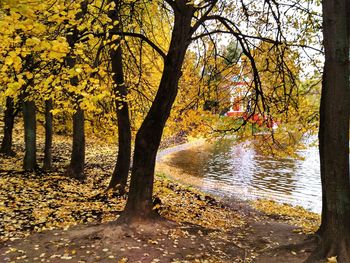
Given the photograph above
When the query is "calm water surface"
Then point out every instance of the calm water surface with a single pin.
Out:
(237, 170)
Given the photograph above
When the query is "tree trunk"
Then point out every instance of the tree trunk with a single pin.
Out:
(334, 134)
(139, 204)
(29, 115)
(77, 162)
(48, 136)
(76, 166)
(9, 118)
(121, 170)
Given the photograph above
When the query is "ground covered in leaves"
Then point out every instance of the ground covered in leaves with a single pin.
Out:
(47, 217)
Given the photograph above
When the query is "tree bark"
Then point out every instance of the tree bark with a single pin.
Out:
(48, 136)
(76, 166)
(77, 162)
(334, 134)
(121, 170)
(9, 118)
(139, 204)
(29, 115)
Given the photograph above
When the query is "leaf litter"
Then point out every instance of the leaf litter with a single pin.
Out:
(201, 228)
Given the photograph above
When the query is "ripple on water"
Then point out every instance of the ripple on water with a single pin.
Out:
(239, 171)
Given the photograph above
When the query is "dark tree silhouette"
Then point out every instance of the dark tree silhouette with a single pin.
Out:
(9, 120)
(334, 134)
(121, 170)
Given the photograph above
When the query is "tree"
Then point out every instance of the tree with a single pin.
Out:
(29, 116)
(121, 170)
(48, 135)
(232, 53)
(76, 167)
(139, 204)
(27, 64)
(334, 134)
(209, 18)
(9, 119)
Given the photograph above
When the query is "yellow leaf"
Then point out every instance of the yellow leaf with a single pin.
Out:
(8, 61)
(55, 111)
(332, 259)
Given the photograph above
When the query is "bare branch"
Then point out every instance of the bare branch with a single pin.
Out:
(137, 35)
(203, 17)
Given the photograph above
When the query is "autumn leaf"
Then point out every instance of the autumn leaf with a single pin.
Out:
(332, 259)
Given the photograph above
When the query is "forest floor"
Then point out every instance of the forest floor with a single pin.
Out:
(47, 217)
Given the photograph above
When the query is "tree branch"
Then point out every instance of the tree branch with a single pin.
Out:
(203, 17)
(137, 35)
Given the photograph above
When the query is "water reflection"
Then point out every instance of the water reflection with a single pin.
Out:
(230, 169)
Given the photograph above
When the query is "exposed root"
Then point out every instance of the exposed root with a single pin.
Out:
(72, 174)
(118, 190)
(134, 218)
(331, 247)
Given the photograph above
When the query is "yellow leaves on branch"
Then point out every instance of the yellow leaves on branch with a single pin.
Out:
(14, 60)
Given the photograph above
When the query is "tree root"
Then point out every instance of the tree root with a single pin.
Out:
(331, 247)
(70, 172)
(136, 218)
(118, 190)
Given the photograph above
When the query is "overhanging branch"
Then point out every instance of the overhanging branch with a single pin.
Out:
(137, 35)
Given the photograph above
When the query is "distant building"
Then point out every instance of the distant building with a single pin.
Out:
(238, 97)
(241, 104)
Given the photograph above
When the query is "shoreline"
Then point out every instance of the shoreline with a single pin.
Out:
(163, 153)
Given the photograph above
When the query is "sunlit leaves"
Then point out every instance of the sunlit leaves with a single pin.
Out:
(35, 47)
(307, 221)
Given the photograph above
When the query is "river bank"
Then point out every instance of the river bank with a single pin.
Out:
(47, 217)
(294, 215)
(240, 170)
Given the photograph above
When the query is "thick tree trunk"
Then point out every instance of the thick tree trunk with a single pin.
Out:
(334, 134)
(76, 166)
(121, 170)
(9, 118)
(139, 204)
(48, 136)
(29, 115)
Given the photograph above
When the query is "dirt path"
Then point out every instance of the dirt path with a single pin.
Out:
(259, 239)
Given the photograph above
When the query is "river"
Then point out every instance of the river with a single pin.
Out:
(230, 169)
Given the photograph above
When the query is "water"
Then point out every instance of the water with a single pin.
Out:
(236, 170)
